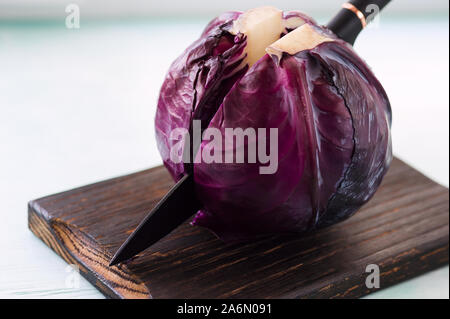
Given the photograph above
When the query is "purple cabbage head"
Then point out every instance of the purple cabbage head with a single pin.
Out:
(333, 119)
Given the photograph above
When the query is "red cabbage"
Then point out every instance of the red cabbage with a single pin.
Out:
(333, 119)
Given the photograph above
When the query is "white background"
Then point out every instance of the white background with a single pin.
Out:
(38, 9)
(77, 106)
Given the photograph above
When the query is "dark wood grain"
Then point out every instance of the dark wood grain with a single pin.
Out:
(404, 229)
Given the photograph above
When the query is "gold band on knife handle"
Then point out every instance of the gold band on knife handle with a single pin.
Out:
(356, 11)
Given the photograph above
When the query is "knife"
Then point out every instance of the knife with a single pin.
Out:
(181, 202)
(353, 17)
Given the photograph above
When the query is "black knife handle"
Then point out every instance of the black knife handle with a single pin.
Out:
(350, 20)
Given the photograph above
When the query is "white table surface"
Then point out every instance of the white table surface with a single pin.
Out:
(77, 106)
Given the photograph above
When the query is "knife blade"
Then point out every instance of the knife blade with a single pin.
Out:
(173, 209)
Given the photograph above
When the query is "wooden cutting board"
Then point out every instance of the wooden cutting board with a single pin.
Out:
(404, 230)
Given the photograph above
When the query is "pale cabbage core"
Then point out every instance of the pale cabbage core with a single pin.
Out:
(264, 28)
